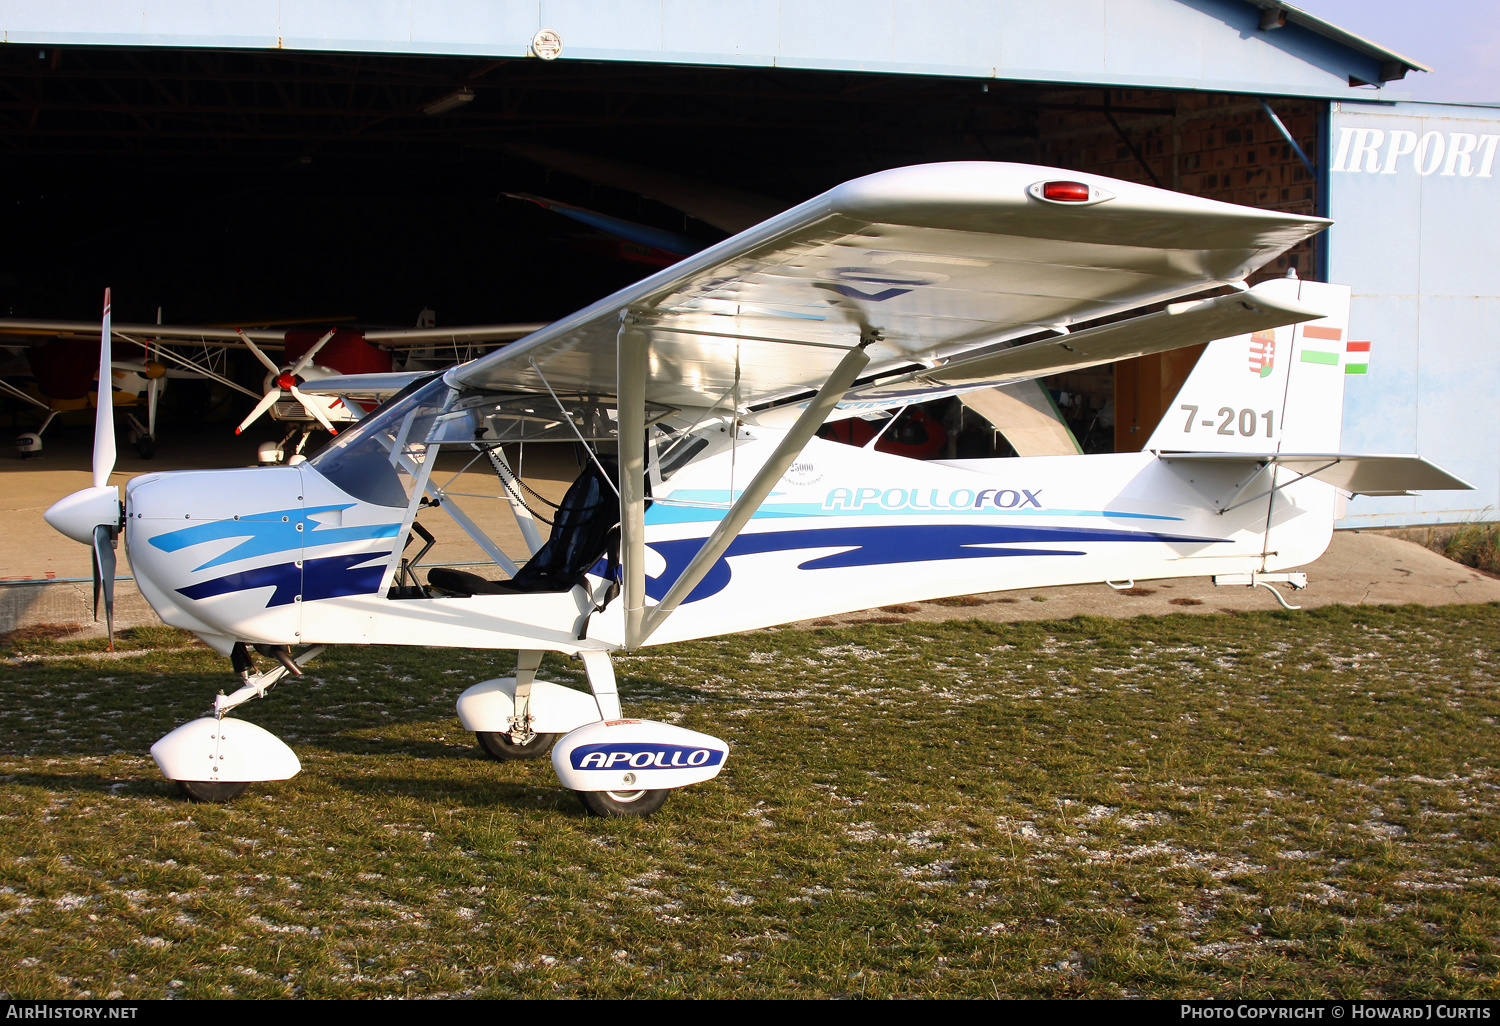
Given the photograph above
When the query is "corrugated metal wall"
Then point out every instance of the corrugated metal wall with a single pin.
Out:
(1415, 191)
(1202, 44)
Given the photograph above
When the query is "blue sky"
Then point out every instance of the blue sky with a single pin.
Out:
(1458, 39)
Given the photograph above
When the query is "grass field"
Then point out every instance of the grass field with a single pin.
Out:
(1268, 805)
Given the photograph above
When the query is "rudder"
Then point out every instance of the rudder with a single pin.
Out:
(1271, 391)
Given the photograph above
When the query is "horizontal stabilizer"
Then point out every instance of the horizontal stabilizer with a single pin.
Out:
(361, 386)
(1356, 473)
(1181, 324)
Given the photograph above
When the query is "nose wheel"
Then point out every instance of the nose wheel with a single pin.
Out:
(216, 791)
(623, 804)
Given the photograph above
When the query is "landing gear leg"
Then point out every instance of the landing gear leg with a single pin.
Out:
(602, 683)
(614, 804)
(520, 742)
(216, 757)
(297, 456)
(141, 437)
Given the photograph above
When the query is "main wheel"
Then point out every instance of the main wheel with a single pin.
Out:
(499, 745)
(145, 447)
(623, 803)
(213, 790)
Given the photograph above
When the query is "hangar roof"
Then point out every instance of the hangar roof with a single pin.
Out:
(1254, 46)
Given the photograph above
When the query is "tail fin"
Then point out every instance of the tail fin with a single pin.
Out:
(1273, 391)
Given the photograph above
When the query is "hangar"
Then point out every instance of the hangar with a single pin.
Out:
(305, 160)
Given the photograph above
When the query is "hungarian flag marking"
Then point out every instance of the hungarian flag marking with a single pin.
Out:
(1316, 348)
(1358, 359)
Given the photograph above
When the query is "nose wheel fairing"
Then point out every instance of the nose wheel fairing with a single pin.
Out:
(221, 751)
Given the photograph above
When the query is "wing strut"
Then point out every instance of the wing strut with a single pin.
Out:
(640, 622)
(632, 354)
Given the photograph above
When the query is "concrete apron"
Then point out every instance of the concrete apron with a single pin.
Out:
(70, 603)
(1360, 568)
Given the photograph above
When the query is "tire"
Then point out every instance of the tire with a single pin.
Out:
(499, 745)
(213, 790)
(620, 804)
(145, 447)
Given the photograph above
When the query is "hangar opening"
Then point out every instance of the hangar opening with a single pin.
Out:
(231, 187)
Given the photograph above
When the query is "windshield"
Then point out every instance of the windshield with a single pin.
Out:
(373, 461)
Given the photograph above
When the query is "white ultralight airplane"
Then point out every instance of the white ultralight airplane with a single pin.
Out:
(707, 505)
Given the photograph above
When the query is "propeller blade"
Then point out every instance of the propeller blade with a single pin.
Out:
(153, 393)
(104, 414)
(266, 402)
(315, 411)
(307, 357)
(104, 577)
(262, 357)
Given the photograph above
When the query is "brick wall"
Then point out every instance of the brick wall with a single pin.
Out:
(1207, 144)
(1223, 147)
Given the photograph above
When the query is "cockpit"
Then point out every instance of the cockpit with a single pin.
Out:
(547, 460)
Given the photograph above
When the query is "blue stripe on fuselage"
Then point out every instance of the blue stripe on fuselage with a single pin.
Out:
(274, 531)
(882, 546)
(707, 505)
(330, 577)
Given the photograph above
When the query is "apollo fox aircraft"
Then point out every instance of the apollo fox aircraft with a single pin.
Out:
(708, 505)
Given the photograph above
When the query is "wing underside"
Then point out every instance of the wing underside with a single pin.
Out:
(927, 264)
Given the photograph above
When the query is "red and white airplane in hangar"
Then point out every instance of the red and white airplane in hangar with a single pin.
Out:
(63, 357)
(707, 504)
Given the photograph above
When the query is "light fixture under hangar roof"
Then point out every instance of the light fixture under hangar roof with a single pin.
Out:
(452, 101)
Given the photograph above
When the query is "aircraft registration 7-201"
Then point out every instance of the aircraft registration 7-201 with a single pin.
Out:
(1246, 421)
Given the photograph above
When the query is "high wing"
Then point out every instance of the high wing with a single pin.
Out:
(386, 338)
(206, 345)
(920, 264)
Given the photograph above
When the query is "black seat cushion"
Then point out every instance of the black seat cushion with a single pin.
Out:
(457, 582)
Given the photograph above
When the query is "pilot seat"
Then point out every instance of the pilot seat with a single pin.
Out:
(586, 529)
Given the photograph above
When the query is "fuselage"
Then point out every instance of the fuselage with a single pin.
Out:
(282, 555)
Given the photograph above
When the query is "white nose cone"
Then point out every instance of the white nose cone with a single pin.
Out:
(78, 514)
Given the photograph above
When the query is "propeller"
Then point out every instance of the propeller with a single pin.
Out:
(94, 516)
(286, 378)
(104, 577)
(104, 413)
